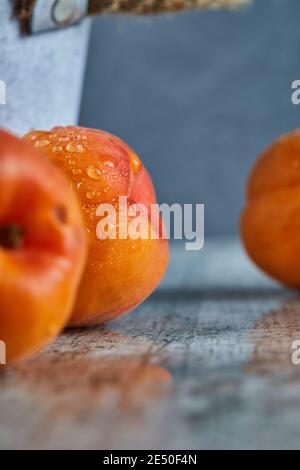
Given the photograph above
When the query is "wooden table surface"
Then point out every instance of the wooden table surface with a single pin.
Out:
(204, 363)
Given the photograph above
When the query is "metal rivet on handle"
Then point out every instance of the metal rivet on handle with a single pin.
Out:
(63, 12)
(56, 14)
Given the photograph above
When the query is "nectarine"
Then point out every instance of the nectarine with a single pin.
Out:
(42, 248)
(120, 273)
(270, 223)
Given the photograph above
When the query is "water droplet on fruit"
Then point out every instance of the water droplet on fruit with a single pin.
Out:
(94, 172)
(33, 136)
(57, 148)
(109, 163)
(135, 163)
(90, 194)
(76, 171)
(74, 147)
(42, 143)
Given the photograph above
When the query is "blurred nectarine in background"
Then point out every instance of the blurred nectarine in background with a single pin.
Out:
(270, 222)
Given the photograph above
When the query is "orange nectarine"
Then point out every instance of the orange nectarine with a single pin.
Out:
(270, 223)
(120, 273)
(42, 248)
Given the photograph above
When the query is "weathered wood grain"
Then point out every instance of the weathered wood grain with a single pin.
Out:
(204, 363)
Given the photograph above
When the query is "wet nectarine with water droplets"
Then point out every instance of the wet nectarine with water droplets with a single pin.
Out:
(120, 273)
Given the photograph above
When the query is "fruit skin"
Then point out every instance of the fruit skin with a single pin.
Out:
(119, 273)
(39, 276)
(270, 222)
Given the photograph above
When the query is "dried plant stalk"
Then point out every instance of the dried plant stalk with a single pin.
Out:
(143, 7)
(138, 7)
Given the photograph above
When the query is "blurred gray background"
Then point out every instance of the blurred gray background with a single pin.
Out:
(198, 96)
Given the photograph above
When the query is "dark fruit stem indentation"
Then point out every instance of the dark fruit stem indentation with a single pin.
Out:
(11, 236)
